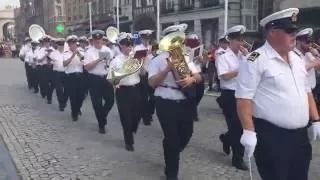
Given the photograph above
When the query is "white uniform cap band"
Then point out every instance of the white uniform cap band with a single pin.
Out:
(305, 32)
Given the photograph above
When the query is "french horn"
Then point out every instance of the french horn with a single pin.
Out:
(173, 43)
(36, 32)
(112, 34)
(130, 66)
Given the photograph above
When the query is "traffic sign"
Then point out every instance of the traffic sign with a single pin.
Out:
(60, 28)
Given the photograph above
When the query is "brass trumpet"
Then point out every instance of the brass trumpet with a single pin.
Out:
(79, 55)
(315, 50)
(247, 45)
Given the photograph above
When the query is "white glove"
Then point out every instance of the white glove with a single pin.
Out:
(249, 141)
(316, 130)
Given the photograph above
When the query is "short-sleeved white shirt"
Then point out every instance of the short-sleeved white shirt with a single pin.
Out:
(158, 64)
(75, 66)
(226, 63)
(57, 60)
(277, 88)
(92, 54)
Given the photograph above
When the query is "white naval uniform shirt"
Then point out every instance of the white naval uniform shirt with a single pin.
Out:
(149, 55)
(158, 64)
(220, 51)
(57, 60)
(29, 57)
(75, 66)
(277, 89)
(92, 54)
(42, 55)
(117, 63)
(24, 50)
(308, 58)
(226, 63)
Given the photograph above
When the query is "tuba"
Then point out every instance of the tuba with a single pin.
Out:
(130, 66)
(173, 43)
(112, 34)
(36, 32)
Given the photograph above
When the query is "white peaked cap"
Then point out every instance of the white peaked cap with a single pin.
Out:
(238, 28)
(174, 28)
(283, 14)
(146, 32)
(305, 32)
(124, 35)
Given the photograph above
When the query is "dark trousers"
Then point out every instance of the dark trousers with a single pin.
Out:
(177, 126)
(129, 107)
(211, 73)
(44, 81)
(59, 82)
(75, 92)
(147, 96)
(33, 79)
(282, 154)
(229, 107)
(50, 84)
(102, 97)
(196, 100)
(38, 75)
(28, 74)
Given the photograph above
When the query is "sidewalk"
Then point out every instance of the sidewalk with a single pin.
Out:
(7, 169)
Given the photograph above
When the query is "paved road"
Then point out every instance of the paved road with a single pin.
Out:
(7, 168)
(46, 144)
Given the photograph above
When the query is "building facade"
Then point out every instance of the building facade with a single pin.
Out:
(204, 17)
(7, 24)
(57, 15)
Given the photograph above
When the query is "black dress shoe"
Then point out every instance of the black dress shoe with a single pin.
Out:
(75, 118)
(172, 178)
(79, 113)
(49, 102)
(225, 144)
(102, 130)
(240, 166)
(129, 147)
(61, 109)
(148, 123)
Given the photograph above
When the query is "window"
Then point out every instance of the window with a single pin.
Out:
(101, 7)
(59, 10)
(169, 4)
(250, 4)
(58, 1)
(165, 25)
(251, 22)
(138, 3)
(190, 25)
(149, 2)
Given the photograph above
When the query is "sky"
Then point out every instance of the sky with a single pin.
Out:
(4, 3)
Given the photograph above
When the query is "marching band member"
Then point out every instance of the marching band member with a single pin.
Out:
(228, 67)
(274, 104)
(45, 68)
(29, 58)
(58, 73)
(192, 42)
(101, 90)
(172, 107)
(72, 61)
(304, 41)
(128, 95)
(84, 43)
(145, 88)
(26, 47)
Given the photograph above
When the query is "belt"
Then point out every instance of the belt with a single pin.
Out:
(171, 87)
(129, 86)
(100, 76)
(172, 100)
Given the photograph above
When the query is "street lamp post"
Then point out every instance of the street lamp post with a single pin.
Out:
(158, 20)
(118, 20)
(90, 15)
(225, 16)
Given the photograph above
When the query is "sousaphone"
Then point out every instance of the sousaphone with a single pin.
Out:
(112, 34)
(36, 32)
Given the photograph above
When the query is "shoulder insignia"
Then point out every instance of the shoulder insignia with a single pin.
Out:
(66, 51)
(296, 53)
(220, 53)
(253, 56)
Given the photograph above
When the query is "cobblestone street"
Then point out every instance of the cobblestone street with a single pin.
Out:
(46, 144)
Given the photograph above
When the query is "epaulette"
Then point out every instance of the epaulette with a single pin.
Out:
(253, 56)
(297, 53)
(66, 51)
(220, 53)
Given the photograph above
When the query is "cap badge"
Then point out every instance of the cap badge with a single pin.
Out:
(294, 17)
